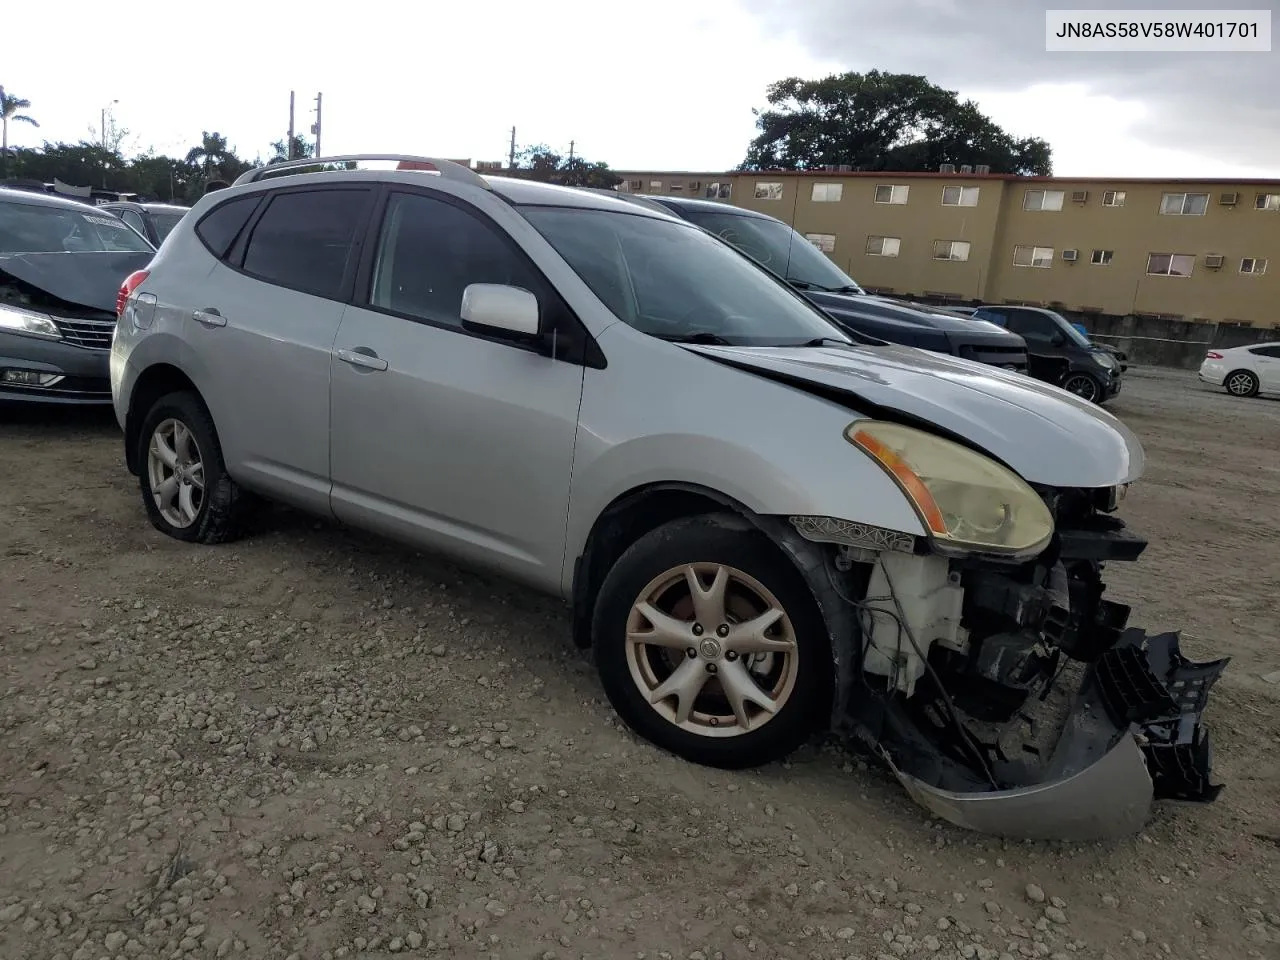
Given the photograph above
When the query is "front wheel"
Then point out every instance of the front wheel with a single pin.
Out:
(1084, 386)
(710, 645)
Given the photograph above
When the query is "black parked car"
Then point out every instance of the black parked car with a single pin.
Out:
(1060, 353)
(61, 267)
(152, 220)
(787, 253)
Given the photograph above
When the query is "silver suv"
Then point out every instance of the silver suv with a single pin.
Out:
(763, 527)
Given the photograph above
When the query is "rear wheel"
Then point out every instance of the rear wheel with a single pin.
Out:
(185, 487)
(1084, 386)
(1241, 383)
(710, 645)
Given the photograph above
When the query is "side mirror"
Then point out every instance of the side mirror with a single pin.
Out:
(496, 308)
(1058, 339)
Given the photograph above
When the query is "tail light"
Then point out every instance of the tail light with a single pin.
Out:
(131, 283)
(1213, 355)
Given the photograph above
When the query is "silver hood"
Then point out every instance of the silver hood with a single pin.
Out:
(1047, 435)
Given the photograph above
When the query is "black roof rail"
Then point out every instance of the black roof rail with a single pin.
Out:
(432, 165)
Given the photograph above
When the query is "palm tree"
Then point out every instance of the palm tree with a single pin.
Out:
(9, 107)
(211, 153)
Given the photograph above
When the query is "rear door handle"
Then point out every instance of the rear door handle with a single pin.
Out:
(369, 361)
(210, 317)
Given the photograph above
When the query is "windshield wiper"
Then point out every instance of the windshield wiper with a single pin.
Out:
(711, 339)
(847, 288)
(823, 341)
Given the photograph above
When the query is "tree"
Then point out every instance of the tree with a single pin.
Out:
(11, 108)
(544, 164)
(301, 150)
(112, 136)
(883, 121)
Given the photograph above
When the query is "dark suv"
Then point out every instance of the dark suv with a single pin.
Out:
(787, 253)
(1059, 353)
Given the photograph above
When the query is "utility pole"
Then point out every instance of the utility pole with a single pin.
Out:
(511, 160)
(288, 148)
(315, 127)
(571, 143)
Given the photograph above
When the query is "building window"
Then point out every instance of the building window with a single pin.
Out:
(655, 186)
(677, 187)
(1028, 256)
(1102, 258)
(718, 191)
(951, 249)
(1043, 199)
(1255, 266)
(895, 193)
(1113, 198)
(826, 242)
(883, 246)
(1170, 264)
(768, 191)
(636, 184)
(959, 196)
(827, 192)
(1184, 204)
(1267, 201)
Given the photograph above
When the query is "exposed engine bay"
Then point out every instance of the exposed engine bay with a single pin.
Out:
(1014, 698)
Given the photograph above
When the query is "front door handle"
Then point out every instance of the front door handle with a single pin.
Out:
(357, 358)
(210, 317)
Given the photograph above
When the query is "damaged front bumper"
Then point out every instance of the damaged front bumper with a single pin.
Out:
(1134, 735)
(1020, 703)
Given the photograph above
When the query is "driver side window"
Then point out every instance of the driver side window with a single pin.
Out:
(430, 251)
(132, 219)
(1032, 326)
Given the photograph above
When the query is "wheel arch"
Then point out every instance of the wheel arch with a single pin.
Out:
(152, 384)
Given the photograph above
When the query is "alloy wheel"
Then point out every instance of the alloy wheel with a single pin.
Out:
(175, 470)
(1240, 384)
(711, 650)
(1083, 386)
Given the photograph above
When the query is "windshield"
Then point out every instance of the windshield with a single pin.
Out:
(37, 228)
(673, 281)
(164, 223)
(778, 247)
(1072, 333)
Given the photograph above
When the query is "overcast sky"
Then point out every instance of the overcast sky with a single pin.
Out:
(665, 84)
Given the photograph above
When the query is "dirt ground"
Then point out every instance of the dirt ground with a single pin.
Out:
(314, 745)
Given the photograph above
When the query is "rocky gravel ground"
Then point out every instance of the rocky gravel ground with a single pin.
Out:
(315, 745)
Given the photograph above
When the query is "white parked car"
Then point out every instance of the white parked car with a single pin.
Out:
(1244, 371)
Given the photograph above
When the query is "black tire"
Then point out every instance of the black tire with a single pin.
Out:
(1087, 386)
(224, 507)
(1241, 383)
(712, 540)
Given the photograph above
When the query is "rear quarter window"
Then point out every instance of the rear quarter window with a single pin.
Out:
(219, 228)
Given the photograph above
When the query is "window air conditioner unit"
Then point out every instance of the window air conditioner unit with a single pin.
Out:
(982, 168)
(966, 168)
(1214, 261)
(1070, 255)
(1079, 196)
(1228, 199)
(947, 168)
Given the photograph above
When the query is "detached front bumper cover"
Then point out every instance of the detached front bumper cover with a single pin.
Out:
(1133, 735)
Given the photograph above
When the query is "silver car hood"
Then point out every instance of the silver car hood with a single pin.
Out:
(1047, 435)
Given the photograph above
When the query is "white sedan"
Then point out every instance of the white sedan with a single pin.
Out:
(1244, 371)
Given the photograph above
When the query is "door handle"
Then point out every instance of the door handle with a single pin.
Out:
(356, 358)
(210, 317)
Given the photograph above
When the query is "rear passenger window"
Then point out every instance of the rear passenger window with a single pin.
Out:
(430, 251)
(219, 227)
(304, 239)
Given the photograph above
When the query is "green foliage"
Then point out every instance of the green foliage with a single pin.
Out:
(545, 165)
(883, 121)
(301, 150)
(150, 175)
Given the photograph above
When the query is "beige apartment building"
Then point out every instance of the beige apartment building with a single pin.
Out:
(1185, 249)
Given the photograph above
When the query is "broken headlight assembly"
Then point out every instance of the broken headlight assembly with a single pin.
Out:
(967, 502)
